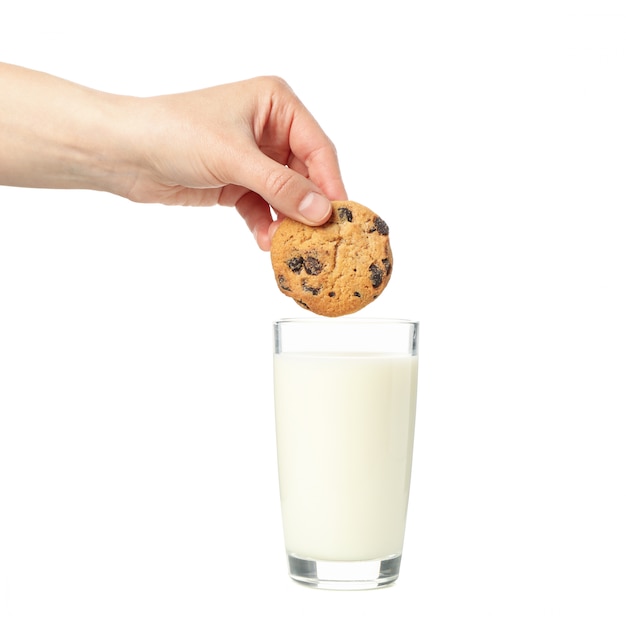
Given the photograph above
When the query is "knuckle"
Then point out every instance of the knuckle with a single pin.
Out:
(279, 182)
(276, 82)
(274, 85)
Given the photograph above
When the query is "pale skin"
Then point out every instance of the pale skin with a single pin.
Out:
(250, 144)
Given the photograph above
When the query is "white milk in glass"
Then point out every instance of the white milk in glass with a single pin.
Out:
(345, 425)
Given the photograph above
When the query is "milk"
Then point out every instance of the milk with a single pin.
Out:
(344, 425)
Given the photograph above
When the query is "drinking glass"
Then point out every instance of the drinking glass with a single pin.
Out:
(345, 394)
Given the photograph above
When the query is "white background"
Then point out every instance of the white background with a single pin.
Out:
(137, 461)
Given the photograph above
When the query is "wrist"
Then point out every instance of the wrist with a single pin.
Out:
(105, 155)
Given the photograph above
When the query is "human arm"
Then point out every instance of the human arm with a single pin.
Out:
(250, 144)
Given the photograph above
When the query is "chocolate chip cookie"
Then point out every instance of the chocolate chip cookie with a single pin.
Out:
(337, 268)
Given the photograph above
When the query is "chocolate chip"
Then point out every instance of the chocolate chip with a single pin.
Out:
(312, 290)
(312, 266)
(387, 264)
(281, 282)
(345, 214)
(296, 264)
(381, 226)
(331, 294)
(376, 275)
(357, 294)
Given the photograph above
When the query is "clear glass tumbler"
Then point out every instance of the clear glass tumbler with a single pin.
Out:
(345, 394)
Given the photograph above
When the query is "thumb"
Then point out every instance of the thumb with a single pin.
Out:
(286, 191)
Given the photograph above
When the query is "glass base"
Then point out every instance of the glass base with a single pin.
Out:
(347, 575)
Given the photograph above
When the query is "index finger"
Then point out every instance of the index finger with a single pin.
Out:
(313, 149)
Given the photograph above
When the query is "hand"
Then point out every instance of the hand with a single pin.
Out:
(250, 144)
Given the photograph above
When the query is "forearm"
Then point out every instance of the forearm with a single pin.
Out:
(56, 134)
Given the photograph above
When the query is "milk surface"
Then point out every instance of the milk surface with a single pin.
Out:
(345, 425)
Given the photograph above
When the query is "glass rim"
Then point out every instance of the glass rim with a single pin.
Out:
(346, 320)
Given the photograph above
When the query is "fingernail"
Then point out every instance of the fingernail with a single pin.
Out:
(314, 208)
